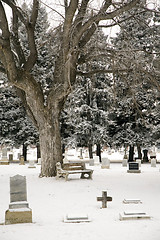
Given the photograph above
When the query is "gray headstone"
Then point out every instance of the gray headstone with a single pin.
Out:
(105, 163)
(18, 191)
(124, 162)
(4, 153)
(153, 162)
(91, 162)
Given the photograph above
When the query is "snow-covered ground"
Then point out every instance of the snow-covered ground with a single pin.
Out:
(51, 199)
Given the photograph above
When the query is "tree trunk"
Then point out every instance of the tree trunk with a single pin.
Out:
(131, 153)
(145, 156)
(38, 151)
(90, 150)
(24, 151)
(50, 144)
(98, 151)
(139, 151)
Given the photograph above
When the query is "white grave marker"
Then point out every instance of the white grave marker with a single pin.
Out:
(105, 163)
(133, 216)
(96, 160)
(153, 162)
(31, 164)
(134, 201)
(76, 218)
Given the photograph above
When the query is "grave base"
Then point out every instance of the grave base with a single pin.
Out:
(134, 171)
(4, 162)
(105, 167)
(123, 216)
(23, 215)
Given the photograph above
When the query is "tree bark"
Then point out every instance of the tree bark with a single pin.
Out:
(98, 151)
(38, 151)
(131, 153)
(139, 151)
(50, 144)
(24, 151)
(90, 150)
(145, 155)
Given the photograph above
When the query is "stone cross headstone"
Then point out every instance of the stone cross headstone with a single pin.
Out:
(19, 211)
(105, 163)
(104, 199)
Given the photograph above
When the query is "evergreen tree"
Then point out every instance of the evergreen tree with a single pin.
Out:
(87, 106)
(15, 127)
(133, 120)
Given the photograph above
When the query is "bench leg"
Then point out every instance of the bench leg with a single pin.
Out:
(66, 176)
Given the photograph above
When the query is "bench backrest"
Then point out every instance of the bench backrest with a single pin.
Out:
(74, 166)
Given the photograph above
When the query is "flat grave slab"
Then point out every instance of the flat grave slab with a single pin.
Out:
(134, 201)
(133, 215)
(75, 218)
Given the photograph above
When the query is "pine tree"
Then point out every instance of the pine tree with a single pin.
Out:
(132, 117)
(87, 106)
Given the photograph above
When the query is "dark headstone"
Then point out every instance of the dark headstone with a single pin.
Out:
(133, 167)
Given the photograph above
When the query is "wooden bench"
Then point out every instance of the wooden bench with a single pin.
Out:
(73, 168)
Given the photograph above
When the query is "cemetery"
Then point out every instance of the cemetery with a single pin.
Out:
(80, 120)
(114, 202)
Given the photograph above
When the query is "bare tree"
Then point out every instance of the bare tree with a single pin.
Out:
(77, 30)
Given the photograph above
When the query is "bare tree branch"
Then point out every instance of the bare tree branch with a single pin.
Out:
(102, 15)
(99, 71)
(30, 26)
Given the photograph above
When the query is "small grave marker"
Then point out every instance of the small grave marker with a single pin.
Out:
(96, 160)
(31, 164)
(104, 199)
(124, 162)
(153, 162)
(134, 201)
(139, 162)
(105, 163)
(72, 218)
(91, 162)
(133, 167)
(21, 160)
(133, 216)
(4, 160)
(39, 161)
